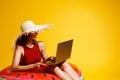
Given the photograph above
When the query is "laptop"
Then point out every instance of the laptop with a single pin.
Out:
(63, 52)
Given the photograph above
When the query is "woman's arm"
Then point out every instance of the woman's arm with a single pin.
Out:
(16, 60)
(43, 51)
(44, 54)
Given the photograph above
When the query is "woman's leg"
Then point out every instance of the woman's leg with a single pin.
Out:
(69, 70)
(62, 75)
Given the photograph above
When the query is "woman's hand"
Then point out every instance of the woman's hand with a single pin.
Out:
(37, 65)
(52, 58)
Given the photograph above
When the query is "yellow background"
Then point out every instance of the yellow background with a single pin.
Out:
(93, 24)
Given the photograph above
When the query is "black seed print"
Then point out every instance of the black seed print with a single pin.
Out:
(32, 76)
(17, 75)
(45, 75)
(53, 78)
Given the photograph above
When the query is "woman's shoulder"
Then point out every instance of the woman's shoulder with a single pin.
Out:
(19, 47)
(40, 43)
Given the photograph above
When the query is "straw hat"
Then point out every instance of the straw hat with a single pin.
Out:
(28, 26)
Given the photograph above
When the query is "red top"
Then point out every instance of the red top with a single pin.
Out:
(31, 55)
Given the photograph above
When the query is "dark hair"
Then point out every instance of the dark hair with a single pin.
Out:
(22, 41)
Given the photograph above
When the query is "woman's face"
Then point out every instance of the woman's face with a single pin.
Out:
(33, 35)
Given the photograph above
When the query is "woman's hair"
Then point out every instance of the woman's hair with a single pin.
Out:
(22, 40)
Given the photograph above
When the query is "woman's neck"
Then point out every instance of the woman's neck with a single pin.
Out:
(30, 43)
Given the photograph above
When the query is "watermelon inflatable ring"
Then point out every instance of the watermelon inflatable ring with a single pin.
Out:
(7, 74)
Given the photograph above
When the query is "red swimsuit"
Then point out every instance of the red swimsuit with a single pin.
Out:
(33, 55)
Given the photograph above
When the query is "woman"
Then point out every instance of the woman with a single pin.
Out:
(29, 53)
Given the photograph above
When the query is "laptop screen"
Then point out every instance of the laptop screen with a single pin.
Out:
(63, 51)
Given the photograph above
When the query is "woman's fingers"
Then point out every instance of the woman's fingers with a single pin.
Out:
(38, 64)
(52, 58)
(42, 64)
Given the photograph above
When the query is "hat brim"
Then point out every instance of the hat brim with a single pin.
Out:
(38, 28)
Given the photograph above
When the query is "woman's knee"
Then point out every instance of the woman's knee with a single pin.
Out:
(64, 65)
(56, 69)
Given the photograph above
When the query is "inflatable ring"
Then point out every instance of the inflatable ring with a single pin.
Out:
(7, 74)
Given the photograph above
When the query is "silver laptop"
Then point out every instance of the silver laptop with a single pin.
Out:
(63, 52)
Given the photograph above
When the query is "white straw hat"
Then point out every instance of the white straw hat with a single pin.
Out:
(28, 26)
